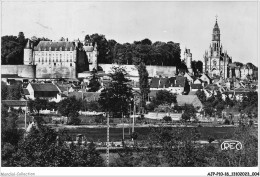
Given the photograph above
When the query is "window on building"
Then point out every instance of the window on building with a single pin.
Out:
(70, 64)
(54, 64)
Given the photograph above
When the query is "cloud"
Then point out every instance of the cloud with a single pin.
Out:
(46, 27)
(165, 31)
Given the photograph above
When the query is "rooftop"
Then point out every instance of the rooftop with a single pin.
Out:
(53, 46)
(47, 87)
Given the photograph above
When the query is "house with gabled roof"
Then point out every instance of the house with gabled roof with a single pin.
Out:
(176, 85)
(189, 78)
(206, 79)
(45, 91)
(189, 99)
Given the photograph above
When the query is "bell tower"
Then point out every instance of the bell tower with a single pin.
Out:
(216, 48)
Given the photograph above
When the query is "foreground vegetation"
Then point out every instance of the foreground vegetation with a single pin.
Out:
(44, 147)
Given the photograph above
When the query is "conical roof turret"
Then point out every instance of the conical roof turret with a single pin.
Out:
(28, 44)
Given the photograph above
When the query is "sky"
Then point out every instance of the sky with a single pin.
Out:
(189, 23)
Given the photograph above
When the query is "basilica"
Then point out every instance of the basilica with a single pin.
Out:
(216, 61)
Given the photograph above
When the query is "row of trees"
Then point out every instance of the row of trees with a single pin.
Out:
(41, 147)
(110, 51)
(158, 53)
(216, 103)
(180, 148)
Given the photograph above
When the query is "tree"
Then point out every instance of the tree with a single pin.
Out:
(99, 119)
(14, 91)
(164, 97)
(4, 90)
(93, 106)
(201, 95)
(110, 54)
(12, 49)
(117, 96)
(70, 107)
(199, 66)
(37, 105)
(167, 118)
(143, 83)
(250, 102)
(146, 41)
(94, 84)
(102, 46)
(189, 112)
(9, 128)
(43, 148)
(52, 105)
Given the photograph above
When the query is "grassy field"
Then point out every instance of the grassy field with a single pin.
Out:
(116, 134)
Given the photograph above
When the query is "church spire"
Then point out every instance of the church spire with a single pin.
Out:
(216, 31)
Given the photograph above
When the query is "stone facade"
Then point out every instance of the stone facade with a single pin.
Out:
(59, 59)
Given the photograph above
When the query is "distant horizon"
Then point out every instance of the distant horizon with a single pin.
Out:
(187, 23)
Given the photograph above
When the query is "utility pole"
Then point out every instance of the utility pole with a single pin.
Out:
(107, 140)
(133, 128)
(123, 126)
(129, 117)
(25, 117)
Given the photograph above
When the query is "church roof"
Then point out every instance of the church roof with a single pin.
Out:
(57, 45)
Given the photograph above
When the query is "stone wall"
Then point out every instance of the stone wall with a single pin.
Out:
(47, 71)
(28, 71)
(153, 71)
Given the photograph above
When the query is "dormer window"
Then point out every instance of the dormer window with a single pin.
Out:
(70, 48)
(60, 48)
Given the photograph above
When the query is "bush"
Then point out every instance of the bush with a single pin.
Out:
(227, 122)
(150, 106)
(74, 121)
(211, 139)
(99, 119)
(167, 118)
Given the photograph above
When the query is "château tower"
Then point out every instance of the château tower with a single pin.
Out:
(28, 53)
(188, 59)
